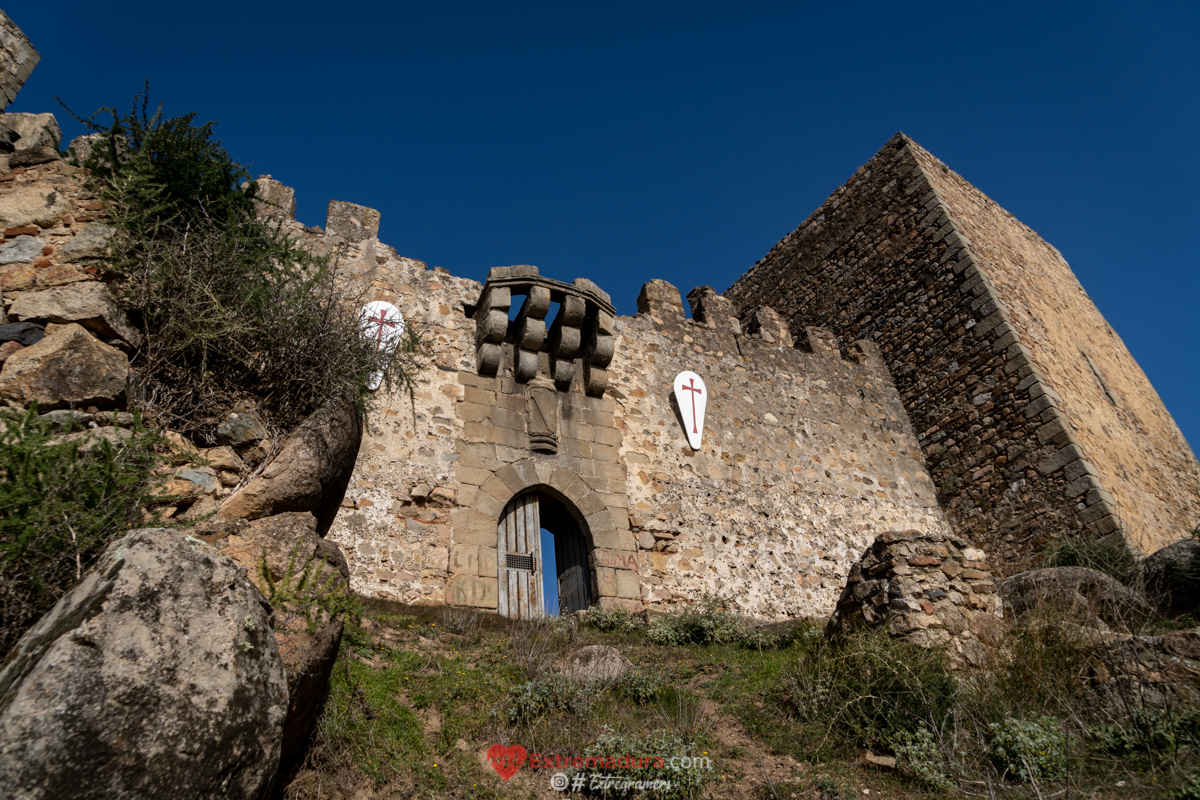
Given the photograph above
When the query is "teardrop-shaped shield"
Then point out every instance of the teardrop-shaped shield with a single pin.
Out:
(383, 325)
(692, 396)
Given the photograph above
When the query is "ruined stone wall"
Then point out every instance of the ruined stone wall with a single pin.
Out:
(886, 258)
(17, 60)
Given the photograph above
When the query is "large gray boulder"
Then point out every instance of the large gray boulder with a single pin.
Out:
(310, 473)
(156, 676)
(1172, 577)
(90, 304)
(69, 367)
(1075, 594)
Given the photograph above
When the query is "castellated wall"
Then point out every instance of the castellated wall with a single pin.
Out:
(807, 453)
(1035, 419)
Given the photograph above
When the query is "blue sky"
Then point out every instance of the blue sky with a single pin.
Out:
(628, 141)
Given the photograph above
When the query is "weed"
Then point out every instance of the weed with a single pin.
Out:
(918, 753)
(313, 591)
(1108, 557)
(615, 620)
(871, 687)
(1029, 750)
(641, 685)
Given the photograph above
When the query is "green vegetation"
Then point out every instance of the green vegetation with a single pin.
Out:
(231, 307)
(312, 590)
(416, 704)
(1110, 558)
(63, 498)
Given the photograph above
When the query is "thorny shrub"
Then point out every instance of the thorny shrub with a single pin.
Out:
(231, 307)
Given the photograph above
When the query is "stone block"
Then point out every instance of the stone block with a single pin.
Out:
(606, 581)
(612, 603)
(612, 539)
(488, 562)
(1077, 469)
(1058, 460)
(465, 559)
(472, 476)
(476, 592)
(629, 584)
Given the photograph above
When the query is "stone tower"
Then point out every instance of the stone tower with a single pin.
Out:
(17, 60)
(1034, 417)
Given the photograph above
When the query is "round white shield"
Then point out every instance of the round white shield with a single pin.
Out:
(692, 396)
(383, 325)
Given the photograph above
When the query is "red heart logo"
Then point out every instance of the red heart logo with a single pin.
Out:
(506, 760)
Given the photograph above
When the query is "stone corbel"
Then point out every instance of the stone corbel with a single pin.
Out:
(530, 327)
(491, 325)
(598, 351)
(565, 339)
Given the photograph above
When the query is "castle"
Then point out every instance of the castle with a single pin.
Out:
(910, 357)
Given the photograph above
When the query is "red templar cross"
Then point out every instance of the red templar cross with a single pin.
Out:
(383, 320)
(691, 387)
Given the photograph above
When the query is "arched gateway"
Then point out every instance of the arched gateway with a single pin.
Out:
(524, 566)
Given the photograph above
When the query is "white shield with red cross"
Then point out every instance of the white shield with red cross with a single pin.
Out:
(382, 325)
(692, 397)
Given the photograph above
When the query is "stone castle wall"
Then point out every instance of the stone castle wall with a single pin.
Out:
(807, 453)
(909, 256)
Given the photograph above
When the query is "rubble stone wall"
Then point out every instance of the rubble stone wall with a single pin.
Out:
(807, 457)
(888, 258)
(17, 60)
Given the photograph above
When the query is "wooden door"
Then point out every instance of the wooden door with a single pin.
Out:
(520, 559)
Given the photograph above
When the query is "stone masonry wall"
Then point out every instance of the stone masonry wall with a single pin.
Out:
(17, 60)
(1123, 428)
(885, 259)
(807, 456)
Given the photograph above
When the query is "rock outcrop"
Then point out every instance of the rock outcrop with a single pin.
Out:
(288, 547)
(1172, 577)
(311, 471)
(87, 303)
(1078, 594)
(156, 676)
(68, 367)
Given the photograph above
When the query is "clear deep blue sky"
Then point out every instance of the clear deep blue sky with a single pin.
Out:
(627, 141)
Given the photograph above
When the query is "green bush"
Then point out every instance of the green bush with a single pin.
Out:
(1029, 750)
(641, 685)
(530, 701)
(63, 499)
(1107, 557)
(231, 307)
(1159, 733)
(705, 622)
(612, 620)
(917, 752)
